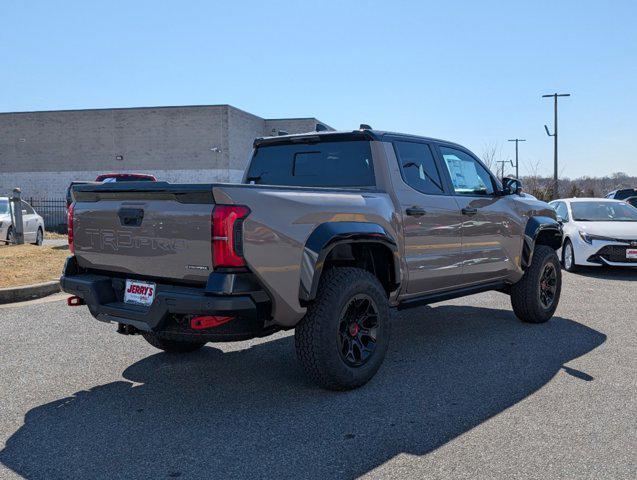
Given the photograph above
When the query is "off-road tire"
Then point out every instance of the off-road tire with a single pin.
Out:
(573, 267)
(525, 294)
(171, 346)
(317, 335)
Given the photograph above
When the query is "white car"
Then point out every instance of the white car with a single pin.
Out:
(33, 224)
(597, 231)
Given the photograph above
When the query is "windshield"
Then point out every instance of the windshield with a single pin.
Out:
(603, 212)
(4, 206)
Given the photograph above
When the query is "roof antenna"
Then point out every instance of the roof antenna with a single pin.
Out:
(321, 128)
(364, 126)
(282, 133)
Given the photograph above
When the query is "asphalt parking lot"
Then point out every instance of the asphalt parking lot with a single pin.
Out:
(466, 391)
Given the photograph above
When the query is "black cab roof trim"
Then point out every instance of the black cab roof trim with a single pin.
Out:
(313, 137)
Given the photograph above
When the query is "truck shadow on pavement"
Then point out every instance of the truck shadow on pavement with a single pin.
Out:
(609, 273)
(252, 414)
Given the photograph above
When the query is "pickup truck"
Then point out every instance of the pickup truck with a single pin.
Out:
(326, 234)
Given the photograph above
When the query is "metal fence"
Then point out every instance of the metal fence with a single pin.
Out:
(52, 210)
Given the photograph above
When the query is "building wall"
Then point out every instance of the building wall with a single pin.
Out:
(243, 128)
(41, 152)
(291, 125)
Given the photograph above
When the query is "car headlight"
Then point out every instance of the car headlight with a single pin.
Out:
(588, 238)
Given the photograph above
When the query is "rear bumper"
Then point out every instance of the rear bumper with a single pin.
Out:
(174, 305)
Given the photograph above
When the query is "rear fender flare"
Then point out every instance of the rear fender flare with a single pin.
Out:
(534, 227)
(327, 236)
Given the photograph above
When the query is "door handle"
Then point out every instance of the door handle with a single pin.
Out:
(469, 211)
(415, 211)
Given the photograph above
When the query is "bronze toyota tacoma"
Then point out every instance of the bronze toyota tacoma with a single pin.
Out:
(327, 233)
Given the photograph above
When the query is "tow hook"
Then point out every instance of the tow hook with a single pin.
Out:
(126, 329)
(75, 301)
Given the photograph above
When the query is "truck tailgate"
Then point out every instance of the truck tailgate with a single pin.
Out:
(145, 229)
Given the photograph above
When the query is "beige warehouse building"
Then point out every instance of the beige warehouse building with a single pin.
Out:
(42, 152)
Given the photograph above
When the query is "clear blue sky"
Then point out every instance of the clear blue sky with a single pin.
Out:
(471, 72)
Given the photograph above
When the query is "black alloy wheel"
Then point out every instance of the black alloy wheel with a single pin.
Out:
(358, 329)
(548, 285)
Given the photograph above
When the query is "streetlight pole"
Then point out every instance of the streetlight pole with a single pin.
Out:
(517, 162)
(554, 135)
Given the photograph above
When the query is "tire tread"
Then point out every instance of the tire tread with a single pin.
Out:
(524, 293)
(310, 332)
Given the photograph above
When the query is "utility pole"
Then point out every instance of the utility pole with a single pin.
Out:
(517, 162)
(502, 162)
(554, 135)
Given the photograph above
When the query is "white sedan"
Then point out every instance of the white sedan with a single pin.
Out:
(597, 232)
(32, 222)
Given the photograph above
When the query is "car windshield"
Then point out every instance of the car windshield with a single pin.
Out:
(4, 206)
(603, 212)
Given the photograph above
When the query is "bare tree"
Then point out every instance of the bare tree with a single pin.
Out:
(535, 184)
(575, 191)
(490, 154)
(541, 187)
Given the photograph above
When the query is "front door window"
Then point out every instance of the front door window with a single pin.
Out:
(468, 177)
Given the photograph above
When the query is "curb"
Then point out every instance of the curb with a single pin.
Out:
(29, 292)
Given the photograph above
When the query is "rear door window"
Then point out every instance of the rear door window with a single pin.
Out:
(322, 164)
(26, 208)
(418, 167)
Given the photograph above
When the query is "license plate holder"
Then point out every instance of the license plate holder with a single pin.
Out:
(631, 253)
(139, 293)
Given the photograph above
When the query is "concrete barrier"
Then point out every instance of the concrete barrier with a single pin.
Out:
(28, 292)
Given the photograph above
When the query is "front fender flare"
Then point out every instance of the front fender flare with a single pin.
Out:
(327, 236)
(534, 228)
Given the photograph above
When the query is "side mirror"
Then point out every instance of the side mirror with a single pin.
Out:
(560, 220)
(511, 186)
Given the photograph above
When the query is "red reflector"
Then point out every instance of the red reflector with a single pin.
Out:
(75, 301)
(69, 218)
(208, 321)
(227, 231)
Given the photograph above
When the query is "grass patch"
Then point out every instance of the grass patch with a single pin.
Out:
(28, 264)
(55, 235)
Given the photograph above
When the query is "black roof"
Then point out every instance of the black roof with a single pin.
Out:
(363, 134)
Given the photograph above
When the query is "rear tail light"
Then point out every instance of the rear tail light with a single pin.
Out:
(227, 235)
(70, 227)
